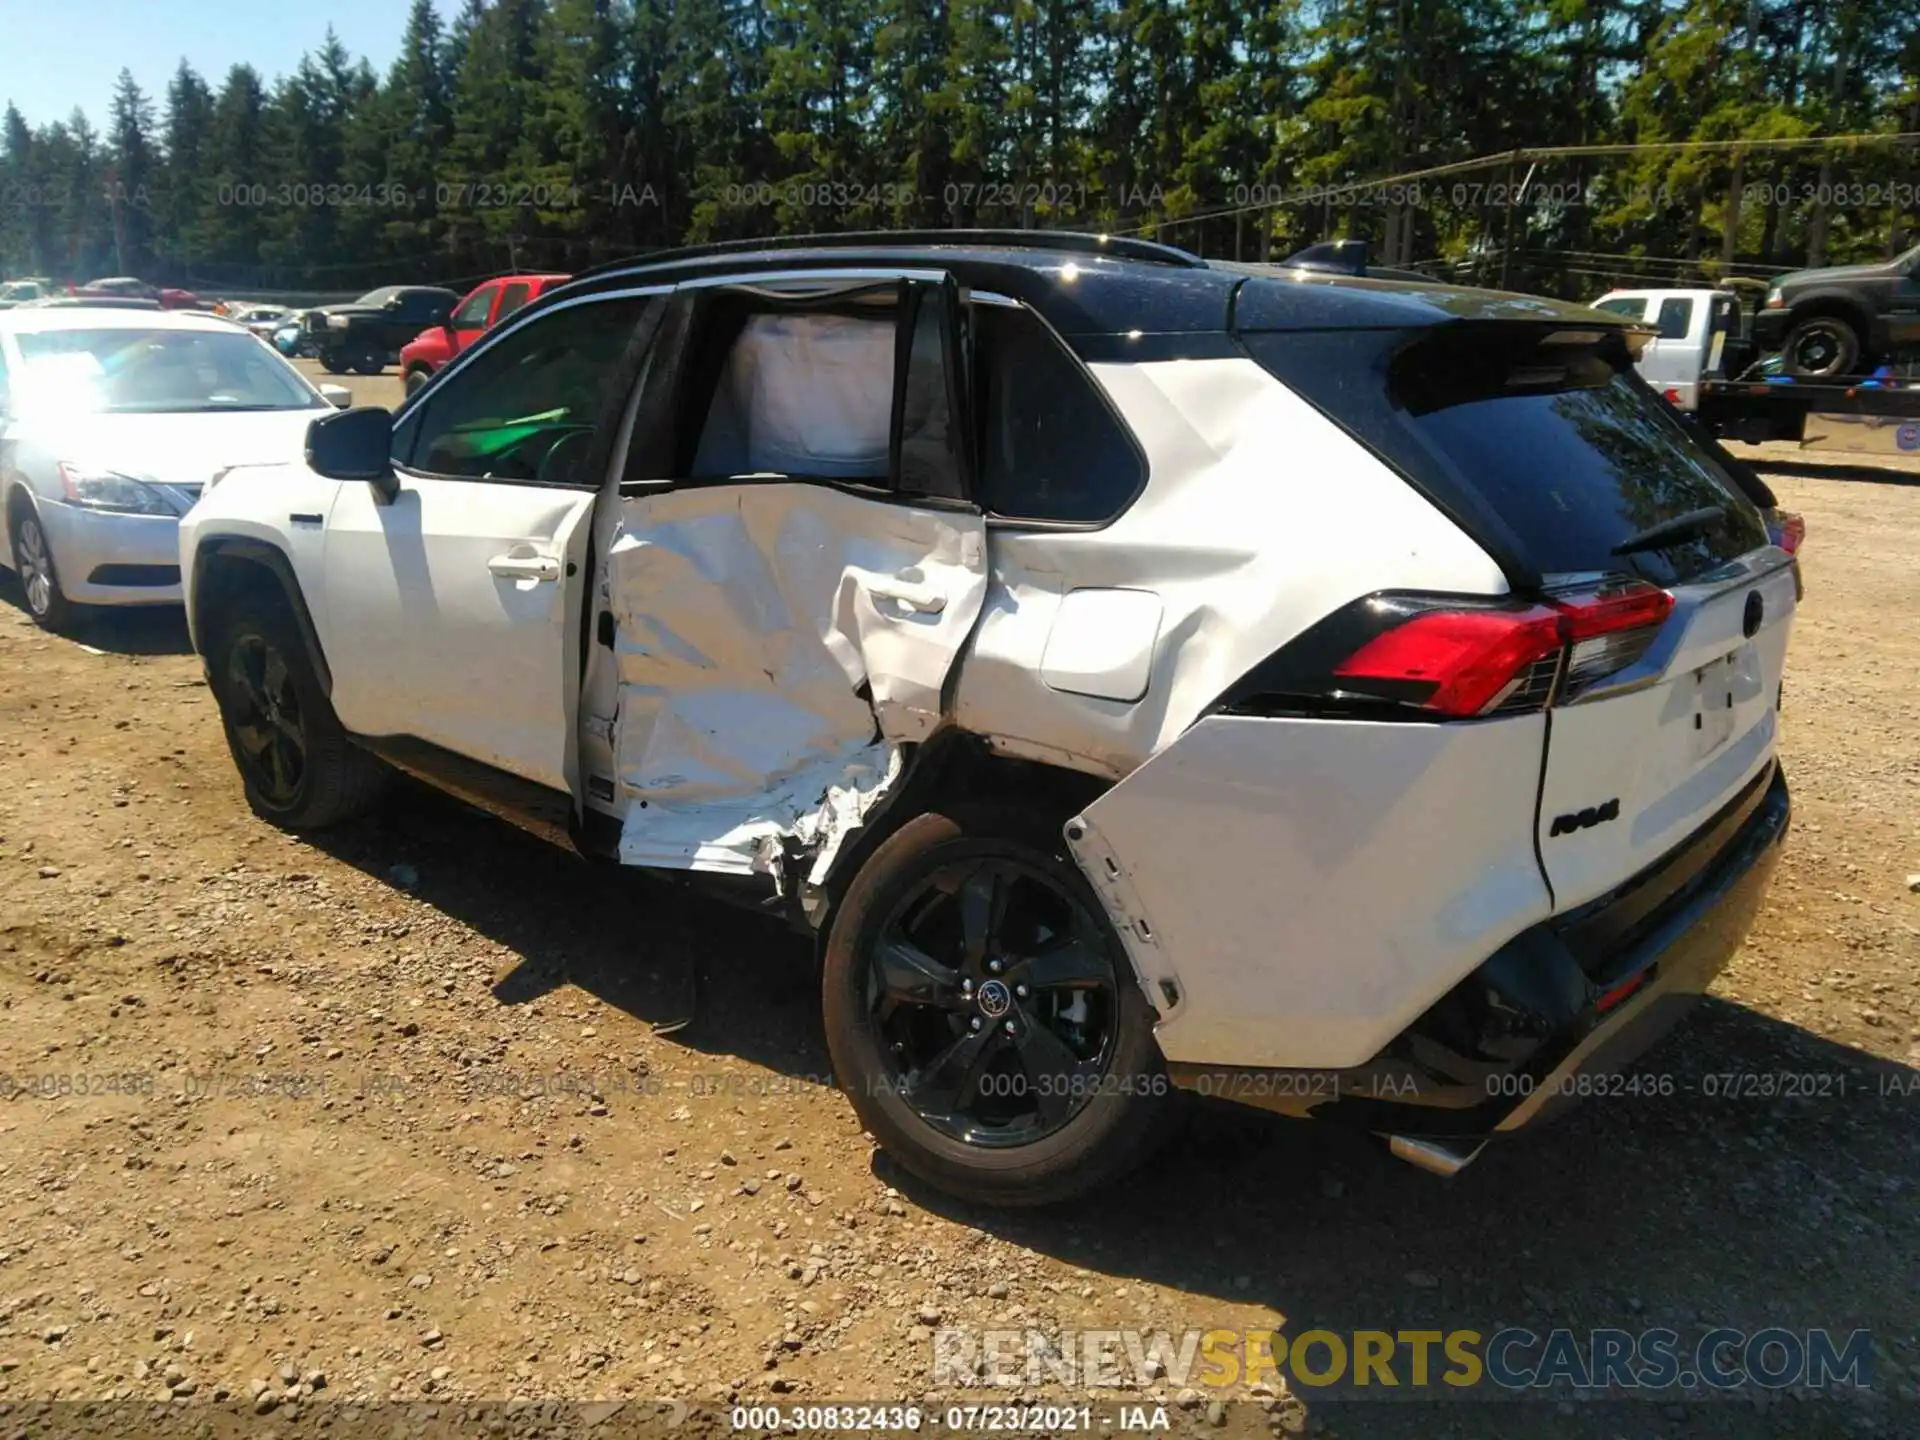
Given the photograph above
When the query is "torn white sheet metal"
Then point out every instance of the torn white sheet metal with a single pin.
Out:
(749, 619)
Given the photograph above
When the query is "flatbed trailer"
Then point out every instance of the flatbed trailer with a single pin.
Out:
(1845, 415)
(1693, 350)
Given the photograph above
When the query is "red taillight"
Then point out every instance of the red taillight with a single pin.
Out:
(1793, 530)
(1475, 662)
(1467, 656)
(1670, 395)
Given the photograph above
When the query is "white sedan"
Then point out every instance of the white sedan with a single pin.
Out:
(111, 422)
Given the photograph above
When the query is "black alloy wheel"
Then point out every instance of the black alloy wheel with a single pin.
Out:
(269, 729)
(993, 995)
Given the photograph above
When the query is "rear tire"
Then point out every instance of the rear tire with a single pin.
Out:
(300, 770)
(369, 362)
(34, 566)
(892, 1056)
(1823, 347)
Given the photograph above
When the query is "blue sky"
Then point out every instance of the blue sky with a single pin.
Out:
(55, 54)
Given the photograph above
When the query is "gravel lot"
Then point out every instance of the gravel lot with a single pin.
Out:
(386, 1106)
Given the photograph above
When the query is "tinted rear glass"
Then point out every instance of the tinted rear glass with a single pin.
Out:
(1550, 454)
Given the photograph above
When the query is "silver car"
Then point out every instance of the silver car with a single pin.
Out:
(111, 422)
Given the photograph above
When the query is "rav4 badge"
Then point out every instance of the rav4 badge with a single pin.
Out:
(1585, 819)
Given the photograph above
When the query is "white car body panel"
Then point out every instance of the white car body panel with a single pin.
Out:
(175, 452)
(1671, 752)
(1316, 884)
(1239, 466)
(257, 502)
(753, 621)
(428, 638)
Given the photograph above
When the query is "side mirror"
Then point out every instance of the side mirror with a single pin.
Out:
(338, 396)
(355, 445)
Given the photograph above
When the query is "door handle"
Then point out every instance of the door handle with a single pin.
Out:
(525, 567)
(914, 597)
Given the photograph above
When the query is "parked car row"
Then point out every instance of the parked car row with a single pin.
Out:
(112, 421)
(1136, 674)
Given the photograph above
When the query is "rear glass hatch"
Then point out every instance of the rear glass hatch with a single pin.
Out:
(1604, 509)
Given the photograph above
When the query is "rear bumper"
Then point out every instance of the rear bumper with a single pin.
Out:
(1580, 997)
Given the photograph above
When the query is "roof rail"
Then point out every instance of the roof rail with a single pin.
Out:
(1079, 242)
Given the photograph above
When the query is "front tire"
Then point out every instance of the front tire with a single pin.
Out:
(39, 577)
(416, 379)
(300, 770)
(1823, 347)
(983, 1018)
(334, 362)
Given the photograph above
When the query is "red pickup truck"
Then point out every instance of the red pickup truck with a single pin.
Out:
(485, 307)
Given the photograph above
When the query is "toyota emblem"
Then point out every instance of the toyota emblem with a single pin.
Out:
(995, 999)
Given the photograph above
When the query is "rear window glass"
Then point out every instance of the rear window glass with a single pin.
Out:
(1551, 454)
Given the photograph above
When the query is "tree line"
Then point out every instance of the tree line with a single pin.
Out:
(554, 134)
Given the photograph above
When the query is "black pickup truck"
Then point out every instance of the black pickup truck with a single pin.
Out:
(1842, 319)
(365, 335)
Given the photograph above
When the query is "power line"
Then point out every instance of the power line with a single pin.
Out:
(1529, 156)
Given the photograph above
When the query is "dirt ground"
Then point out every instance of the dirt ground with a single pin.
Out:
(386, 1105)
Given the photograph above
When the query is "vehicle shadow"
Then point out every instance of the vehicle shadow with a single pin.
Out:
(1862, 473)
(118, 630)
(1706, 1206)
(1714, 1203)
(625, 937)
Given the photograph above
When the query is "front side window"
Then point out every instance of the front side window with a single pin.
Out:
(472, 314)
(127, 371)
(526, 407)
(426, 307)
(1633, 309)
(1051, 447)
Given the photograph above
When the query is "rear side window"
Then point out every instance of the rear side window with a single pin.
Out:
(512, 298)
(1675, 319)
(1051, 447)
(1551, 454)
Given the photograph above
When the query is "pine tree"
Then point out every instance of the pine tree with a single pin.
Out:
(130, 175)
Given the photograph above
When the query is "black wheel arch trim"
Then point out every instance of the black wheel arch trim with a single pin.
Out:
(274, 561)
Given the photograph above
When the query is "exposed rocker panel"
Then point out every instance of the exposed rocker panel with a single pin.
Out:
(535, 808)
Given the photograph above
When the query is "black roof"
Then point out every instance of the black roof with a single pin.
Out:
(1111, 298)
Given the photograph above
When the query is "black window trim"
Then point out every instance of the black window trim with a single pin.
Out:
(1020, 524)
(412, 407)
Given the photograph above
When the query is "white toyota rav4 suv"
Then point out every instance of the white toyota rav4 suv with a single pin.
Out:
(1141, 674)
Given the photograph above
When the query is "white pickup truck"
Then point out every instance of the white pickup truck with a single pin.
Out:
(1700, 359)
